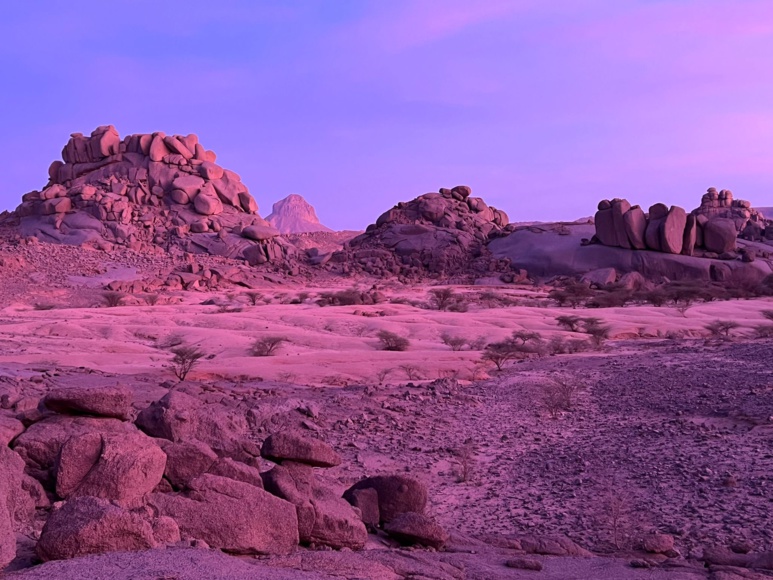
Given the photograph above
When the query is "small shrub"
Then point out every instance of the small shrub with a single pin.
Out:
(525, 336)
(442, 298)
(287, 377)
(392, 341)
(456, 343)
(721, 328)
(44, 306)
(170, 341)
(558, 396)
(767, 314)
(465, 456)
(383, 374)
(478, 343)
(254, 297)
(573, 293)
(411, 371)
(150, 299)
(598, 332)
(267, 345)
(185, 358)
(763, 331)
(112, 299)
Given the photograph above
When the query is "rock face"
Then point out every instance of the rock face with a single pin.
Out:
(145, 191)
(15, 504)
(122, 468)
(439, 234)
(673, 231)
(41, 443)
(295, 215)
(180, 417)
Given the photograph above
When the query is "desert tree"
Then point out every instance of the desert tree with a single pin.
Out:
(442, 298)
(525, 336)
(721, 328)
(500, 352)
(184, 359)
(569, 321)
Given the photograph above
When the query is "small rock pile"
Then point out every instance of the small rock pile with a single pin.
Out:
(441, 234)
(184, 473)
(712, 228)
(147, 191)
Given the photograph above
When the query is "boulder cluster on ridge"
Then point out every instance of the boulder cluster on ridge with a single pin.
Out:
(147, 191)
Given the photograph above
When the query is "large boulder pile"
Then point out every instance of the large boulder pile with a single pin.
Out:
(147, 191)
(442, 234)
(295, 215)
(710, 230)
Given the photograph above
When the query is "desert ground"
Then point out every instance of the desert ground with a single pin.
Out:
(666, 428)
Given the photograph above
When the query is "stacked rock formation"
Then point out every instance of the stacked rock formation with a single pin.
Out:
(147, 190)
(295, 215)
(749, 222)
(440, 233)
(713, 227)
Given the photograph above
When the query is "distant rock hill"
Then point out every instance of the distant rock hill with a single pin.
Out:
(437, 235)
(295, 215)
(147, 192)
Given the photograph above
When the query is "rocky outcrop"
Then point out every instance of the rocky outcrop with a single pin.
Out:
(436, 234)
(713, 227)
(146, 191)
(295, 215)
(323, 517)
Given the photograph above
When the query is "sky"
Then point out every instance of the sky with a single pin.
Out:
(542, 107)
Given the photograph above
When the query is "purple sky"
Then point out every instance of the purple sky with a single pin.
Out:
(543, 108)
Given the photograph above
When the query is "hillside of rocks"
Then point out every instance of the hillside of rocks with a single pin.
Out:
(295, 215)
(436, 235)
(149, 193)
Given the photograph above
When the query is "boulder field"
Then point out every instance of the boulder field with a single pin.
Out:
(106, 481)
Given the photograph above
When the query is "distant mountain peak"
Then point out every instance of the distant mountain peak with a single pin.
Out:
(295, 215)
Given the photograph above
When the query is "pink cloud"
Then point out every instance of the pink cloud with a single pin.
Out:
(395, 27)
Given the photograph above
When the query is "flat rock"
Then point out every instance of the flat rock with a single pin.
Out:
(300, 449)
(413, 528)
(96, 401)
